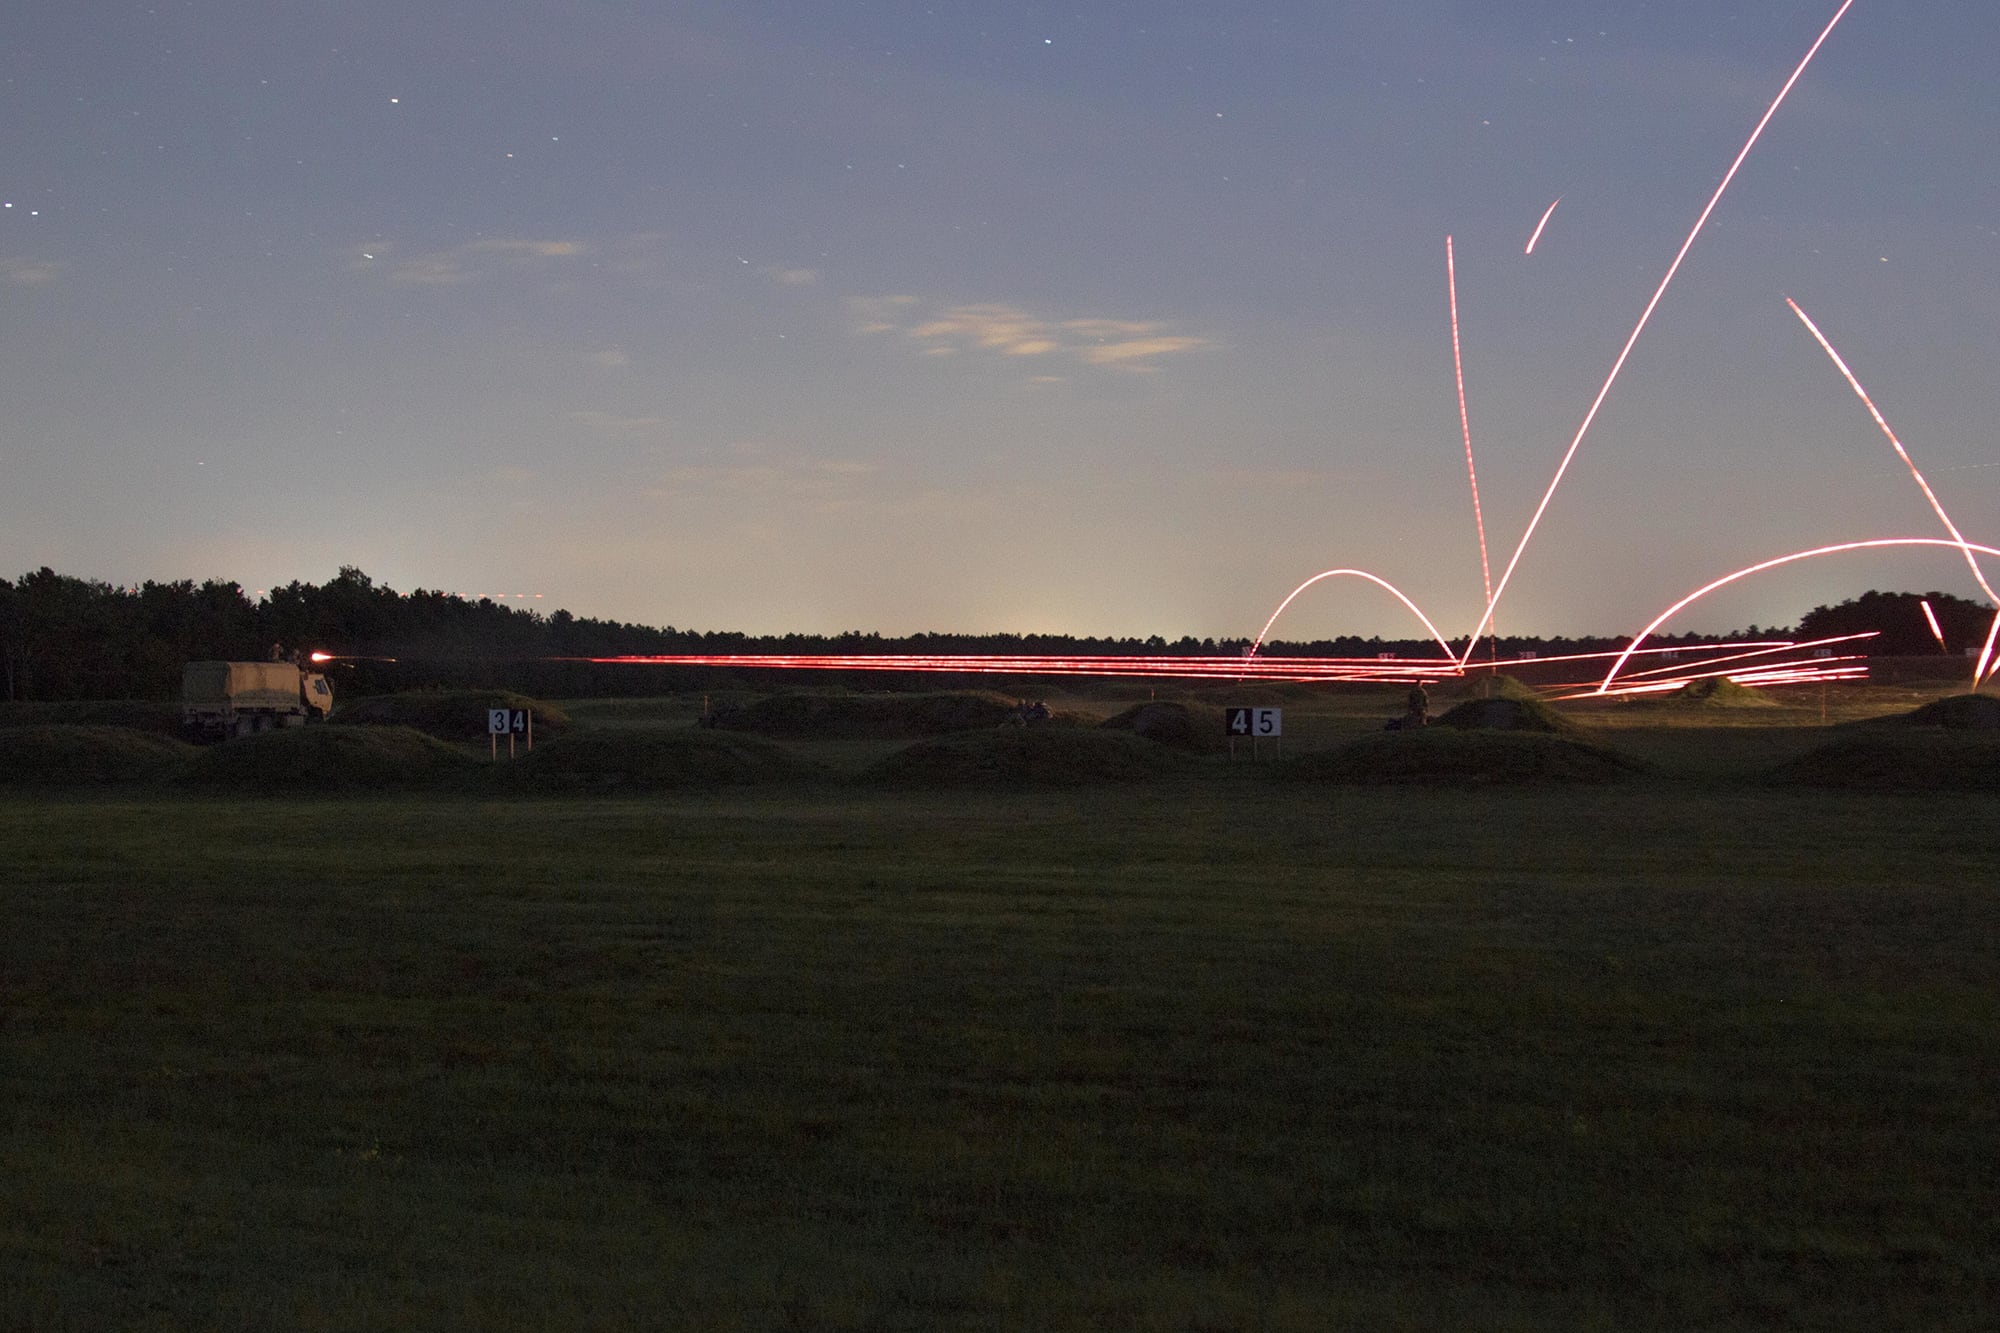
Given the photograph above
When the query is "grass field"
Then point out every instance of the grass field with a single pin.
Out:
(1686, 1051)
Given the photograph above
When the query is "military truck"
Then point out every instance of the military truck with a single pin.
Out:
(223, 699)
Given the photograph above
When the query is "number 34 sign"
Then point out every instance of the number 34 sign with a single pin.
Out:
(508, 722)
(1254, 722)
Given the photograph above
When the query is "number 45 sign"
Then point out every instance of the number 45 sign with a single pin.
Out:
(1254, 722)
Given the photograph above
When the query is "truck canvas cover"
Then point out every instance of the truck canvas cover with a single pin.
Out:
(240, 685)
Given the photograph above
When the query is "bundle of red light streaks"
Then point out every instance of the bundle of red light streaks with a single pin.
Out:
(1759, 664)
(1986, 653)
(1741, 667)
(1839, 548)
(1382, 669)
(1159, 667)
(1816, 668)
(1506, 576)
(1771, 663)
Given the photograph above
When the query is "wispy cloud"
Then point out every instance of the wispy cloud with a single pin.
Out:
(995, 328)
(1133, 353)
(1009, 331)
(757, 471)
(526, 249)
(30, 272)
(880, 314)
(463, 263)
(611, 423)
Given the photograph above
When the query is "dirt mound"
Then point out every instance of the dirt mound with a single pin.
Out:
(159, 717)
(332, 758)
(1719, 692)
(58, 755)
(1471, 758)
(1499, 686)
(655, 759)
(449, 715)
(1195, 728)
(866, 716)
(1960, 712)
(1506, 714)
(1030, 757)
(1899, 761)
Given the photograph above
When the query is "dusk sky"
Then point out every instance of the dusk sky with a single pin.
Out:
(1108, 318)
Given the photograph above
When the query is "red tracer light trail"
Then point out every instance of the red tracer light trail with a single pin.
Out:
(1644, 317)
(1450, 658)
(1465, 421)
(1539, 225)
(1676, 674)
(1354, 670)
(1760, 567)
(1986, 651)
(1381, 669)
(1979, 671)
(1778, 673)
(1930, 616)
(1752, 651)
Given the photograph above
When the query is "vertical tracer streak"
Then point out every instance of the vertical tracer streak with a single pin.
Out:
(1619, 364)
(1465, 421)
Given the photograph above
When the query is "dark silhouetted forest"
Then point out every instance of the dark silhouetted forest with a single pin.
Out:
(1898, 620)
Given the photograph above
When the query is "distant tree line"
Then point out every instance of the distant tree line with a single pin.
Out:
(1898, 620)
(63, 637)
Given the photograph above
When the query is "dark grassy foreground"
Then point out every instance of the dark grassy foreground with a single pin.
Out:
(1221, 1054)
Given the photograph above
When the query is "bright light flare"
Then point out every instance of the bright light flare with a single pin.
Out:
(1618, 365)
(321, 657)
